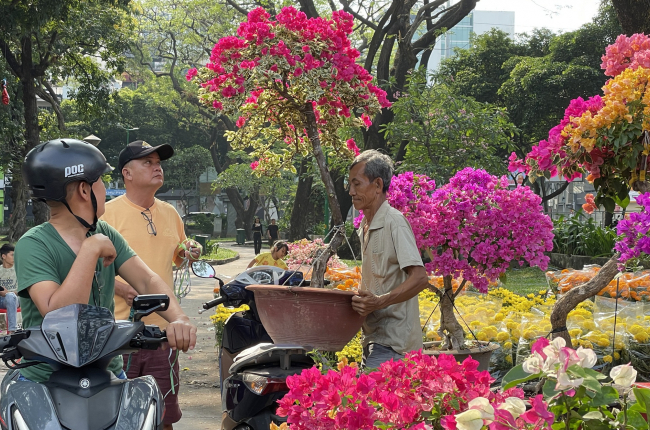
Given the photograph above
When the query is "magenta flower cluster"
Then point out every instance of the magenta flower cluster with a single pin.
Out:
(399, 395)
(544, 154)
(627, 53)
(634, 239)
(475, 225)
(335, 52)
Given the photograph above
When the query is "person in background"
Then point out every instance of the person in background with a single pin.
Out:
(257, 230)
(155, 231)
(279, 250)
(9, 287)
(392, 273)
(272, 232)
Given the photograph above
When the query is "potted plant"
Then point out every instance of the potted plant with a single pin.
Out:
(607, 138)
(471, 229)
(295, 85)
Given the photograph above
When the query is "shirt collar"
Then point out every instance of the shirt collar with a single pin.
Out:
(379, 219)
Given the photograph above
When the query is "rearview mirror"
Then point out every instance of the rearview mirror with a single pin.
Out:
(203, 270)
(149, 303)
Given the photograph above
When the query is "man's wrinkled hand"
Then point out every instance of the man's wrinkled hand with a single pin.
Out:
(181, 334)
(365, 302)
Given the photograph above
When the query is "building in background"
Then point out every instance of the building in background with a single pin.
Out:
(476, 23)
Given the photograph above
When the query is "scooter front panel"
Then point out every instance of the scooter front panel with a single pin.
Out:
(136, 399)
(34, 403)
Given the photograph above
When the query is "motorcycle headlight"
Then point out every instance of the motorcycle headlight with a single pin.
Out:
(18, 421)
(262, 385)
(150, 420)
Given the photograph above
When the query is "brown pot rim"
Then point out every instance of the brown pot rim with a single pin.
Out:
(487, 347)
(298, 290)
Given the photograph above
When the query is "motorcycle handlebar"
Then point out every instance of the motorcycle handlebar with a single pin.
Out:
(212, 303)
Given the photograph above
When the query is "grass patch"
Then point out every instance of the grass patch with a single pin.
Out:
(525, 281)
(225, 239)
(221, 254)
(352, 263)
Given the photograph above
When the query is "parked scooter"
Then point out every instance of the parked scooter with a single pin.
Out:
(78, 342)
(253, 370)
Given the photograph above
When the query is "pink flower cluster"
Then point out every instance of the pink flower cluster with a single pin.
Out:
(544, 154)
(400, 394)
(324, 45)
(633, 232)
(474, 225)
(627, 52)
(302, 253)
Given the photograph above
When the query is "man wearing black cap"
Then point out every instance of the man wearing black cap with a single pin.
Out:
(155, 231)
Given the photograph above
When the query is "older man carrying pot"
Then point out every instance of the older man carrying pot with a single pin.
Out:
(392, 273)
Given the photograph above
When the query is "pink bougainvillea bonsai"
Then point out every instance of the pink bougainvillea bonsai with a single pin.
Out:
(472, 229)
(294, 83)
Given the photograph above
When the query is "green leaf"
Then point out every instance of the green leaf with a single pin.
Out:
(516, 376)
(606, 396)
(594, 374)
(595, 425)
(642, 396)
(549, 389)
(635, 420)
(609, 204)
(593, 415)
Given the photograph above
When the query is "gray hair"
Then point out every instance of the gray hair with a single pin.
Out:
(378, 165)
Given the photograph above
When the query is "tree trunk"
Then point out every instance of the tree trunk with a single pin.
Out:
(609, 218)
(450, 330)
(634, 15)
(320, 263)
(18, 219)
(571, 299)
(298, 228)
(18, 224)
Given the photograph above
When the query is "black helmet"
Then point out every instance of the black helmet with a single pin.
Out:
(51, 166)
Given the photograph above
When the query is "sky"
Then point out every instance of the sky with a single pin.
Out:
(556, 15)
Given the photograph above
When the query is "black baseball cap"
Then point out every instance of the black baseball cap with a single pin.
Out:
(139, 149)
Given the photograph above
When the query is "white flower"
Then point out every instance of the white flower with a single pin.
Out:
(514, 405)
(587, 357)
(533, 364)
(482, 405)
(471, 419)
(623, 375)
(565, 383)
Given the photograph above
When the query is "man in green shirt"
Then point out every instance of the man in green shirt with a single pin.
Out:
(71, 259)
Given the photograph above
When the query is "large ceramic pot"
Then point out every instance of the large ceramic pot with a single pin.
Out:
(313, 317)
(480, 353)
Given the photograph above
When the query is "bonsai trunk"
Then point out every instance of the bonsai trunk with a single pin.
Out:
(576, 295)
(320, 263)
(451, 332)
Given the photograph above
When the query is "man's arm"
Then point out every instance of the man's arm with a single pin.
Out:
(125, 291)
(49, 295)
(181, 333)
(366, 302)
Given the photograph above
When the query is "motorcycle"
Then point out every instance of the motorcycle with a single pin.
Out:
(253, 371)
(78, 342)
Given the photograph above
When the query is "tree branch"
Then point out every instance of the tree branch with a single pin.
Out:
(237, 7)
(308, 7)
(16, 67)
(347, 8)
(50, 97)
(556, 192)
(451, 17)
(379, 34)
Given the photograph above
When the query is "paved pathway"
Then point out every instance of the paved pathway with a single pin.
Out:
(199, 397)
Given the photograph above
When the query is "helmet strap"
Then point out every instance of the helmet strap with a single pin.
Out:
(92, 227)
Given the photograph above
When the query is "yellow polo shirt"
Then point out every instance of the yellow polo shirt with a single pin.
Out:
(158, 252)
